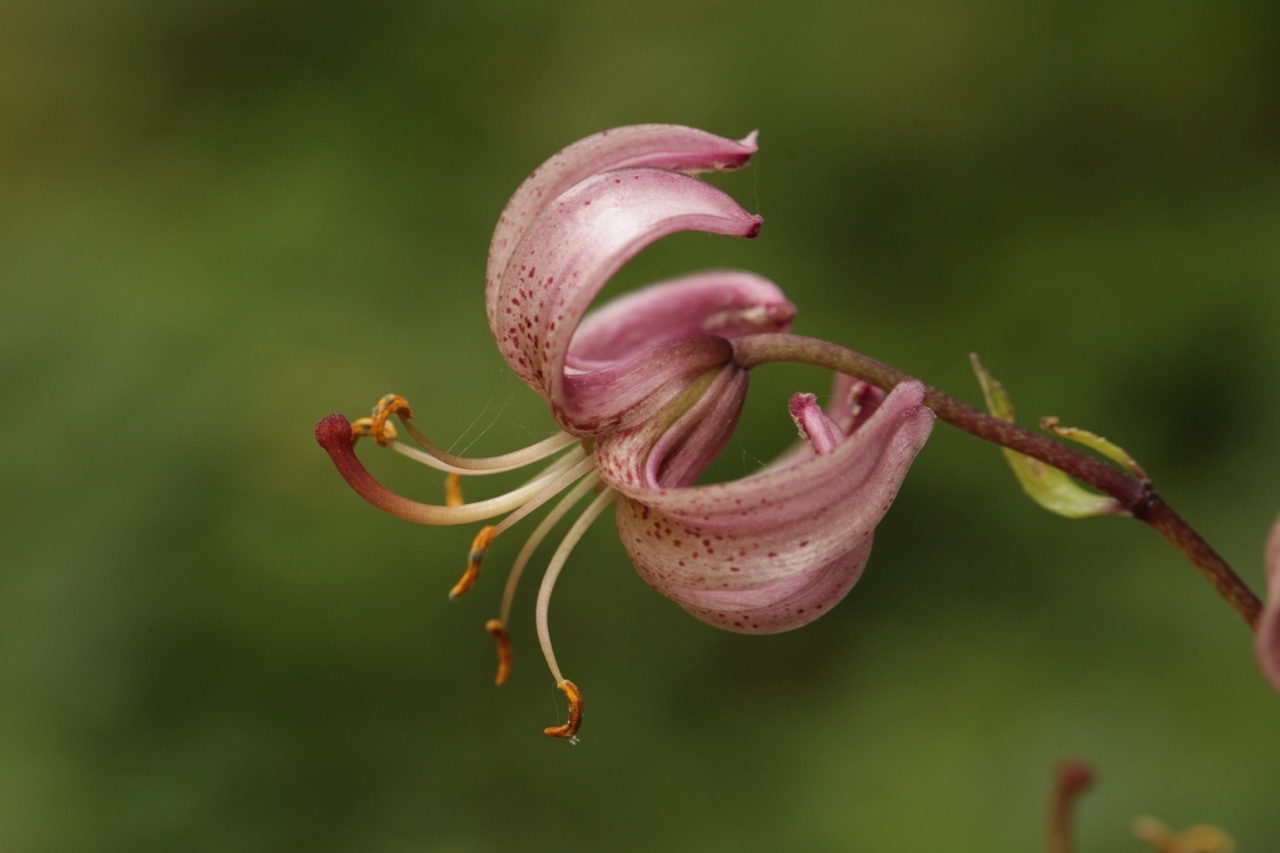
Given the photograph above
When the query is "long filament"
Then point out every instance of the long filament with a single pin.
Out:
(567, 476)
(334, 435)
(443, 460)
(589, 515)
(540, 532)
(486, 535)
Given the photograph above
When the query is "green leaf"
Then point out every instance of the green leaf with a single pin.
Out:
(1046, 485)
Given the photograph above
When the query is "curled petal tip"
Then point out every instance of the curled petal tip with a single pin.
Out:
(571, 251)
(776, 550)
(577, 219)
(661, 146)
(722, 303)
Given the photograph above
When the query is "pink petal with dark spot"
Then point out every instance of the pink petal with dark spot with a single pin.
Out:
(725, 303)
(773, 551)
(565, 259)
(663, 146)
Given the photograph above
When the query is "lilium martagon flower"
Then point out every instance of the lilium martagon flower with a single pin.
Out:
(646, 392)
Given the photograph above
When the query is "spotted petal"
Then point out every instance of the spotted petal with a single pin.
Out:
(725, 303)
(566, 257)
(663, 146)
(776, 550)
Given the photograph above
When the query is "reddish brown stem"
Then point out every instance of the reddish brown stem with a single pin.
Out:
(1071, 778)
(1137, 496)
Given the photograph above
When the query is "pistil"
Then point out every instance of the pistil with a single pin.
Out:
(334, 434)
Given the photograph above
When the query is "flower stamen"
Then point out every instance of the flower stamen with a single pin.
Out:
(380, 429)
(589, 515)
(540, 532)
(502, 639)
(389, 404)
(364, 428)
(557, 476)
(436, 457)
(586, 484)
(570, 728)
(479, 547)
(453, 490)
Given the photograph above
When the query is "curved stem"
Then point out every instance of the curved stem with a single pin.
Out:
(1071, 778)
(1137, 496)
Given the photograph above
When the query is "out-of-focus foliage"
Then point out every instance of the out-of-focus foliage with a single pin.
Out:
(220, 221)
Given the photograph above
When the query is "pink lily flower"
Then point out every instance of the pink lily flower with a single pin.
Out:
(1267, 639)
(647, 391)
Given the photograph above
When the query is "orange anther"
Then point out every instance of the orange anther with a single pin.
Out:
(502, 639)
(479, 547)
(569, 729)
(453, 490)
(390, 404)
(363, 427)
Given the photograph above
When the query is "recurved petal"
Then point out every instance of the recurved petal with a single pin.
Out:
(784, 605)
(664, 146)
(773, 551)
(849, 405)
(572, 250)
(635, 389)
(725, 303)
(1268, 635)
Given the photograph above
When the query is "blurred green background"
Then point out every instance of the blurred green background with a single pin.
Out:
(221, 220)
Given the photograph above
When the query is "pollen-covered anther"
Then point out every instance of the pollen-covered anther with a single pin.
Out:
(453, 490)
(569, 729)
(363, 428)
(390, 404)
(479, 547)
(502, 641)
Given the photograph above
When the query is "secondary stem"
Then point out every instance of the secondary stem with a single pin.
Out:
(1071, 778)
(1137, 496)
